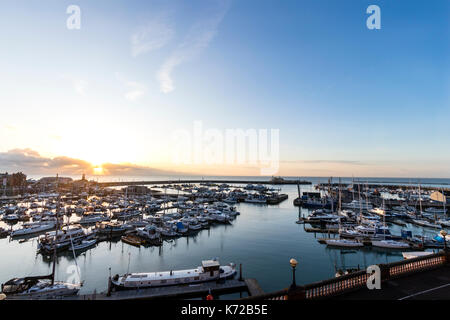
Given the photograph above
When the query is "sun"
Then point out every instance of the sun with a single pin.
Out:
(98, 170)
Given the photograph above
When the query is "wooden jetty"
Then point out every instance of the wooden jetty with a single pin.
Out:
(253, 287)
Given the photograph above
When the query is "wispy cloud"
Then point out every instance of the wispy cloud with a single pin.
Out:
(78, 85)
(197, 39)
(134, 90)
(151, 36)
(349, 162)
(31, 162)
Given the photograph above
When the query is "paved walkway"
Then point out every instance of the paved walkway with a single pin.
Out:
(428, 285)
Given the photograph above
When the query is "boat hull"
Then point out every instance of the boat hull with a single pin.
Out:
(119, 286)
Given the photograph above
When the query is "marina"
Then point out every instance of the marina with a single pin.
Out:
(120, 228)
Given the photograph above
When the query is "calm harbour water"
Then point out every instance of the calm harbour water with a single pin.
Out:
(263, 238)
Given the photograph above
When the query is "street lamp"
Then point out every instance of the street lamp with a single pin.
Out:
(444, 234)
(294, 264)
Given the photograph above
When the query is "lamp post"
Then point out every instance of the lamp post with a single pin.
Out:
(444, 234)
(294, 264)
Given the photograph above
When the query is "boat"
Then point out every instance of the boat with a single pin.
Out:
(256, 199)
(210, 270)
(344, 243)
(84, 244)
(40, 287)
(33, 228)
(110, 228)
(62, 239)
(415, 254)
(230, 200)
(425, 223)
(149, 232)
(357, 205)
(93, 218)
(444, 222)
(11, 217)
(4, 233)
(390, 244)
(322, 215)
(133, 240)
(434, 210)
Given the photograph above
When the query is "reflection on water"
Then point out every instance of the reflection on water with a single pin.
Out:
(263, 238)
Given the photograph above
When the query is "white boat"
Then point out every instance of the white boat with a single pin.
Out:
(344, 243)
(434, 210)
(256, 199)
(444, 222)
(378, 211)
(415, 254)
(32, 288)
(230, 200)
(84, 244)
(33, 229)
(11, 217)
(91, 219)
(425, 223)
(149, 232)
(210, 270)
(391, 244)
(357, 205)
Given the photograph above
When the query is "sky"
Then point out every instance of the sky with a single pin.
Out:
(112, 96)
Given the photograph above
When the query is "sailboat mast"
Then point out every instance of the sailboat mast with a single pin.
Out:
(420, 200)
(56, 232)
(444, 200)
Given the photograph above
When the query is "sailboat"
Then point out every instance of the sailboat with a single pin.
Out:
(389, 244)
(40, 287)
(423, 222)
(342, 242)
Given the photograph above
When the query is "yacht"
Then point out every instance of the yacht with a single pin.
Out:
(357, 205)
(149, 232)
(434, 210)
(37, 288)
(322, 215)
(110, 228)
(390, 244)
(93, 218)
(344, 243)
(425, 223)
(84, 244)
(33, 228)
(210, 270)
(256, 199)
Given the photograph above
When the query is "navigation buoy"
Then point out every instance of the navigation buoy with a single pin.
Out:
(209, 297)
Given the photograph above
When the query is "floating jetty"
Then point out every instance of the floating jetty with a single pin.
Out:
(249, 286)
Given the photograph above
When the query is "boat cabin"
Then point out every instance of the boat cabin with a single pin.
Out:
(211, 266)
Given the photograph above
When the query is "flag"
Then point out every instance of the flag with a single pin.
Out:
(4, 182)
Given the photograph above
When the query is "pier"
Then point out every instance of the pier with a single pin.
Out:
(190, 181)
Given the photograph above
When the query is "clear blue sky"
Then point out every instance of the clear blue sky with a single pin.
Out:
(338, 92)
